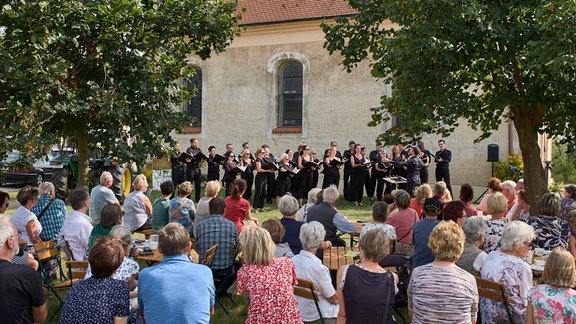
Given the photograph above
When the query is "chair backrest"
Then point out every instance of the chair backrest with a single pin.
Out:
(209, 255)
(77, 269)
(392, 244)
(306, 289)
(496, 291)
(46, 250)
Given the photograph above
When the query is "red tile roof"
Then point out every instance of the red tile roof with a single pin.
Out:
(276, 11)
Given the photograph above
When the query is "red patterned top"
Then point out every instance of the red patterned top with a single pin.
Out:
(271, 291)
(235, 211)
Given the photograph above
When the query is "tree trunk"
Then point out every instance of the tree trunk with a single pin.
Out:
(527, 130)
(83, 158)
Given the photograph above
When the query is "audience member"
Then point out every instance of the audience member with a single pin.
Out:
(288, 206)
(50, 212)
(176, 290)
(23, 257)
(403, 220)
(137, 207)
(568, 202)
(422, 230)
(182, 209)
(506, 266)
(102, 195)
(161, 206)
(309, 267)
(442, 282)
(509, 191)
(238, 208)
(497, 206)
(455, 211)
(202, 208)
(24, 220)
(421, 193)
(110, 216)
(473, 258)
(554, 301)
(379, 217)
(22, 299)
(551, 231)
(366, 290)
(466, 196)
(76, 230)
(311, 201)
(268, 281)
(100, 298)
(326, 214)
(521, 209)
(571, 218)
(494, 185)
(277, 231)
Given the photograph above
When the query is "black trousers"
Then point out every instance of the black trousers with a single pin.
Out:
(259, 191)
(443, 174)
(271, 186)
(195, 176)
(346, 180)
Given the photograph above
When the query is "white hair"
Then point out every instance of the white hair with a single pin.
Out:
(312, 235)
(46, 187)
(474, 228)
(288, 205)
(331, 195)
(313, 195)
(510, 185)
(516, 233)
(122, 234)
(6, 230)
(105, 177)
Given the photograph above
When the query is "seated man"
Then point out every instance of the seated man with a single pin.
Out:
(326, 214)
(50, 212)
(422, 230)
(22, 299)
(77, 227)
(176, 290)
(102, 195)
(217, 230)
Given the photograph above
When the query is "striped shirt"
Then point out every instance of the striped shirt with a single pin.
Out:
(442, 295)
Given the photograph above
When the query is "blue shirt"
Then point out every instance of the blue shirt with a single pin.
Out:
(421, 234)
(176, 291)
(292, 234)
(217, 230)
(52, 219)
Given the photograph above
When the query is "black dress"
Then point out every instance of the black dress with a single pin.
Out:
(283, 181)
(357, 179)
(331, 176)
(248, 176)
(260, 187)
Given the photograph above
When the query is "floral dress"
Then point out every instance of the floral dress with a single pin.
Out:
(553, 304)
(551, 232)
(566, 205)
(271, 291)
(493, 234)
(182, 211)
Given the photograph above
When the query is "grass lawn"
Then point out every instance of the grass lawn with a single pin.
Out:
(237, 312)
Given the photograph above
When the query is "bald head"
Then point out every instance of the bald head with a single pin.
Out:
(106, 179)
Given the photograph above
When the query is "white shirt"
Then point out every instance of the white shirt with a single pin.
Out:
(76, 230)
(309, 267)
(20, 219)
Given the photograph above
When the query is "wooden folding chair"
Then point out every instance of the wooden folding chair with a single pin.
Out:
(45, 251)
(209, 255)
(496, 291)
(76, 271)
(306, 289)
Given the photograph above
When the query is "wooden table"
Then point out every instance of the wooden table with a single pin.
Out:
(355, 235)
(151, 259)
(334, 257)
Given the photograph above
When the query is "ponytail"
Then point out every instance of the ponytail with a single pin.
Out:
(237, 189)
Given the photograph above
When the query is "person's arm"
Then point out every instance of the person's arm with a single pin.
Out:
(120, 320)
(572, 245)
(32, 229)
(148, 206)
(259, 167)
(300, 165)
(341, 319)
(530, 314)
(342, 224)
(212, 311)
(39, 313)
(353, 162)
(447, 156)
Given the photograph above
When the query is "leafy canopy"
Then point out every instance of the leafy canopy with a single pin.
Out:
(484, 61)
(105, 72)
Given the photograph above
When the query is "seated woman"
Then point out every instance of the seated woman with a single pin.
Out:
(568, 202)
(309, 267)
(554, 301)
(182, 209)
(288, 206)
(276, 230)
(455, 211)
(551, 231)
(161, 206)
(24, 220)
(466, 196)
(238, 208)
(497, 206)
(494, 185)
(202, 210)
(507, 266)
(473, 258)
(403, 220)
(110, 216)
(522, 210)
(137, 207)
(99, 299)
(379, 217)
(23, 257)
(268, 281)
(442, 282)
(571, 218)
(366, 290)
(421, 193)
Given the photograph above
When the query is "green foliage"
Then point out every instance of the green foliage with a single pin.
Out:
(108, 71)
(563, 160)
(502, 169)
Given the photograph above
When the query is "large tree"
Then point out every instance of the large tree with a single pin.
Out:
(104, 73)
(481, 61)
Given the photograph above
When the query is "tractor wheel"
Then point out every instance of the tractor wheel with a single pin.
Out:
(60, 181)
(121, 182)
(127, 182)
(39, 178)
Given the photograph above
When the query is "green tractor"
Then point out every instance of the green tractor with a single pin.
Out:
(65, 173)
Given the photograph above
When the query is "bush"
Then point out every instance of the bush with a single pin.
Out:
(563, 158)
(503, 171)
